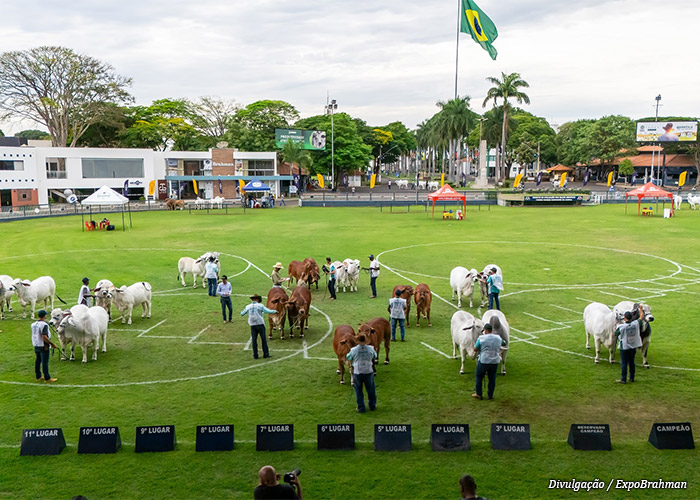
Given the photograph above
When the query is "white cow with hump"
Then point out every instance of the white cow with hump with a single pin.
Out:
(462, 283)
(465, 330)
(195, 267)
(82, 326)
(126, 298)
(9, 291)
(601, 322)
(693, 200)
(42, 289)
(351, 274)
(501, 328)
(104, 293)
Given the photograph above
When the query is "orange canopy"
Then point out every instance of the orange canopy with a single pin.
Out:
(559, 168)
(446, 193)
(648, 190)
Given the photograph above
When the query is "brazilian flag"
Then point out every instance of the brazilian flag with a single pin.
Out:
(479, 26)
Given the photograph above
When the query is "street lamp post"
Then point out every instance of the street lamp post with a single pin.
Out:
(330, 108)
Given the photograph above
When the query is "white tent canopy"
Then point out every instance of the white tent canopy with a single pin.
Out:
(105, 196)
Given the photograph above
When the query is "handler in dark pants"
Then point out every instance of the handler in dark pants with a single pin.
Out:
(224, 292)
(362, 357)
(630, 341)
(257, 324)
(331, 277)
(41, 342)
(488, 346)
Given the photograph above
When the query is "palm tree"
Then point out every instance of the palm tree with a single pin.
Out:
(455, 120)
(508, 87)
(294, 155)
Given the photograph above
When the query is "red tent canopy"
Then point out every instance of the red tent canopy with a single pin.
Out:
(446, 193)
(649, 190)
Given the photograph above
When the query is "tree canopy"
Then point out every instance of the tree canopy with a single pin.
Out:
(60, 89)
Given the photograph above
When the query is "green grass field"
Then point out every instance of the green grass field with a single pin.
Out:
(189, 369)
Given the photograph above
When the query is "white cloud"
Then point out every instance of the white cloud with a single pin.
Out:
(382, 61)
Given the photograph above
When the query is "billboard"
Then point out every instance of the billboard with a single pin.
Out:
(667, 131)
(308, 139)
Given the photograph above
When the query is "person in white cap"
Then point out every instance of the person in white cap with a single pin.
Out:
(277, 280)
(373, 275)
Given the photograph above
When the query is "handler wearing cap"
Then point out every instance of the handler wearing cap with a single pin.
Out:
(255, 312)
(41, 340)
(277, 280)
(84, 295)
(362, 357)
(488, 346)
(630, 340)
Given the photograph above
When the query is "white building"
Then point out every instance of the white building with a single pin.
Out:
(33, 175)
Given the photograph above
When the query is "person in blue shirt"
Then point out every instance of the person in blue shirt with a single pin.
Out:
(224, 292)
(362, 357)
(488, 346)
(330, 271)
(495, 284)
(255, 312)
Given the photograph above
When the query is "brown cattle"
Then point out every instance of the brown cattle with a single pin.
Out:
(423, 298)
(312, 271)
(343, 341)
(377, 330)
(406, 293)
(296, 270)
(298, 307)
(277, 299)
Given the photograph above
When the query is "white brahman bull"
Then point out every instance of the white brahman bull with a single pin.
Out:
(351, 274)
(104, 293)
(3, 291)
(693, 200)
(81, 326)
(465, 330)
(601, 322)
(645, 332)
(31, 292)
(195, 267)
(483, 286)
(126, 298)
(402, 184)
(462, 283)
(433, 186)
(340, 273)
(677, 201)
(500, 326)
(9, 291)
(219, 201)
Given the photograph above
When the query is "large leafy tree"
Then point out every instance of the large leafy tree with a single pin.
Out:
(454, 121)
(107, 131)
(212, 117)
(573, 142)
(60, 89)
(351, 153)
(33, 135)
(163, 125)
(609, 136)
(527, 127)
(253, 127)
(505, 90)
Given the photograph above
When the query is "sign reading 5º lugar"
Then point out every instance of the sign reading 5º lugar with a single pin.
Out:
(306, 139)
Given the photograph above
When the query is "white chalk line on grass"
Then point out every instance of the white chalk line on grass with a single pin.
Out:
(436, 350)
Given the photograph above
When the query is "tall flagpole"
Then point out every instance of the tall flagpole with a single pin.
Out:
(459, 20)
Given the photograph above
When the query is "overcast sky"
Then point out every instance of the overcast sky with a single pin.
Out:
(382, 61)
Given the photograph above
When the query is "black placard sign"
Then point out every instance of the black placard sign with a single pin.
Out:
(672, 436)
(450, 437)
(590, 437)
(155, 438)
(336, 437)
(214, 438)
(99, 440)
(394, 437)
(279, 437)
(42, 442)
(510, 436)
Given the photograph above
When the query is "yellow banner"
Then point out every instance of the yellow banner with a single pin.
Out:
(681, 179)
(320, 181)
(372, 180)
(562, 180)
(518, 178)
(610, 175)
(151, 188)
(241, 183)
(194, 185)
(442, 180)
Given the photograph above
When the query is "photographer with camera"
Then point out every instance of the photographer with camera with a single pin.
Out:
(270, 487)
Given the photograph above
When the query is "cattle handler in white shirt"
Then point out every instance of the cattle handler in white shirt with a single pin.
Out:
(488, 346)
(41, 340)
(255, 312)
(224, 292)
(84, 295)
(630, 341)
